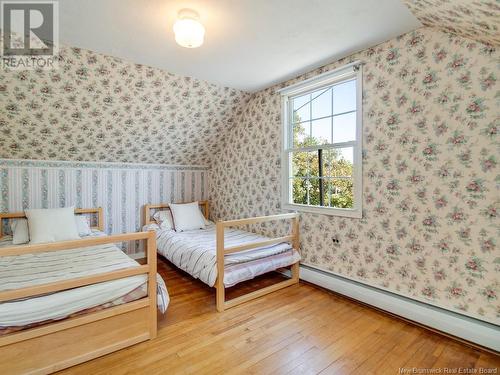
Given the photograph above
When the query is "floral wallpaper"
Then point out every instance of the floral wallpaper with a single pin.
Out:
(475, 19)
(100, 108)
(430, 174)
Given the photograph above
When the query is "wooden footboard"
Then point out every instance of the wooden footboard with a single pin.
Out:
(222, 304)
(65, 343)
(293, 238)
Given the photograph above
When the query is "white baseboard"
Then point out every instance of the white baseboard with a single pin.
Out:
(473, 330)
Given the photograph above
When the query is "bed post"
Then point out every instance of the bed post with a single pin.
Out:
(220, 292)
(151, 262)
(206, 209)
(100, 219)
(146, 214)
(296, 246)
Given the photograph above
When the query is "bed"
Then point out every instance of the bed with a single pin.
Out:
(70, 301)
(222, 256)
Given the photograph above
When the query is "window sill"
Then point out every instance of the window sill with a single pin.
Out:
(343, 212)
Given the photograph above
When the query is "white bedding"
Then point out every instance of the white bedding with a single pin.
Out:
(194, 252)
(34, 269)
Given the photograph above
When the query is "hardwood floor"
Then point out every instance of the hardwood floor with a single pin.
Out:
(298, 330)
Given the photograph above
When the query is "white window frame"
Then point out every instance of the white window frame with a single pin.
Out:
(350, 71)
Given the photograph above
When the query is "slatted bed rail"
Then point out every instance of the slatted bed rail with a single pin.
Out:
(74, 340)
(222, 251)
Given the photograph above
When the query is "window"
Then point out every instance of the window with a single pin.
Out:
(322, 143)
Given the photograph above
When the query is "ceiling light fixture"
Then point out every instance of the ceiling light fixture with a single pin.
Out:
(188, 30)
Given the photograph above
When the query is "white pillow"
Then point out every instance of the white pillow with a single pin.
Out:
(164, 219)
(151, 226)
(82, 225)
(51, 225)
(187, 216)
(20, 233)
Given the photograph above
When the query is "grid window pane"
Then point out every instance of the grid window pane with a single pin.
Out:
(314, 194)
(306, 191)
(321, 104)
(338, 162)
(305, 164)
(301, 108)
(338, 193)
(321, 131)
(344, 97)
(301, 134)
(299, 190)
(344, 127)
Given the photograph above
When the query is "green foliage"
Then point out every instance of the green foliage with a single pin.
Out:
(305, 169)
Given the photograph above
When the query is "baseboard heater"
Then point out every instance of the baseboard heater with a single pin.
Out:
(470, 329)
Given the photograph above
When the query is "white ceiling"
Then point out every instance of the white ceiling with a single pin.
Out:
(249, 44)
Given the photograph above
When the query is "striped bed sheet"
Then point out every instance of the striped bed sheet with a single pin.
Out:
(34, 269)
(195, 252)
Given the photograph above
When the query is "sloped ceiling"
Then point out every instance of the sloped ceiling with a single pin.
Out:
(249, 44)
(100, 108)
(474, 19)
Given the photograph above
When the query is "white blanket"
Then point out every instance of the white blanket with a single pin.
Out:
(195, 251)
(34, 269)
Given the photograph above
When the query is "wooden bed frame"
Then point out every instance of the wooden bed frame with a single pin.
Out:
(221, 250)
(67, 342)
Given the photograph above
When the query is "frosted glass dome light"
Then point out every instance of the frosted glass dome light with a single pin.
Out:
(189, 32)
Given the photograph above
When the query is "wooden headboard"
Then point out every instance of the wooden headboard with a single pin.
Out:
(164, 206)
(18, 215)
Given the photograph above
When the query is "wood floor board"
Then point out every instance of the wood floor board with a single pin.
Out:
(298, 330)
(339, 347)
(453, 354)
(253, 342)
(487, 360)
(378, 345)
(324, 339)
(426, 356)
(409, 342)
(311, 334)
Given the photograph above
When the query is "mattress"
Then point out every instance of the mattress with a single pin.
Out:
(248, 270)
(34, 269)
(195, 252)
(137, 293)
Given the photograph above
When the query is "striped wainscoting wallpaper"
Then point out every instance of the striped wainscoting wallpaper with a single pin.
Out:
(120, 188)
